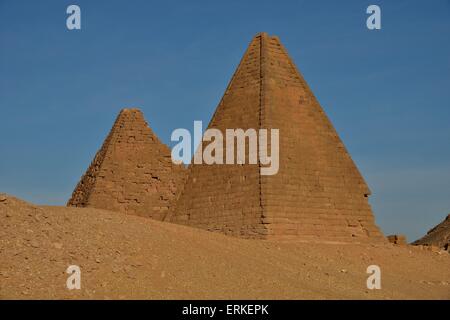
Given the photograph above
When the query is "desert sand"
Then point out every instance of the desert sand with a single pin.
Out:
(130, 257)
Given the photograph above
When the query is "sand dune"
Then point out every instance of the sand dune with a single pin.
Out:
(130, 257)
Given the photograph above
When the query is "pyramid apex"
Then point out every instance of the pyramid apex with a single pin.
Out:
(262, 33)
(266, 35)
(126, 110)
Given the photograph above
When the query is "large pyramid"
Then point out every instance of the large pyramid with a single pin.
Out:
(132, 172)
(318, 193)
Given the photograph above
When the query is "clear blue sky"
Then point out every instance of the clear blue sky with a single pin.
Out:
(387, 92)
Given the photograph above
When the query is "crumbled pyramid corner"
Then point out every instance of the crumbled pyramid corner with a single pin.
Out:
(318, 193)
(439, 236)
(132, 172)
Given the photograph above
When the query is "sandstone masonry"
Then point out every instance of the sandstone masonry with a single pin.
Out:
(131, 173)
(318, 193)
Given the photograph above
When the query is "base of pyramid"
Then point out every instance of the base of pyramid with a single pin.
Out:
(286, 231)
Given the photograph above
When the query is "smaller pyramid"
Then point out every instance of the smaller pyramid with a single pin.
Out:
(132, 172)
(438, 236)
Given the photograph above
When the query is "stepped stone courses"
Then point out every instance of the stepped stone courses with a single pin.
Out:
(318, 193)
(132, 172)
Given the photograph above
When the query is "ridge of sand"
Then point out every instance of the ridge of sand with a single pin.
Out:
(129, 257)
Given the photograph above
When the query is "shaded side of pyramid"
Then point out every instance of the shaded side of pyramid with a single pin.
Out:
(131, 173)
(317, 194)
(438, 236)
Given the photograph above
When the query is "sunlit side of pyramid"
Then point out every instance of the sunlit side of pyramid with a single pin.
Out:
(131, 173)
(318, 193)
